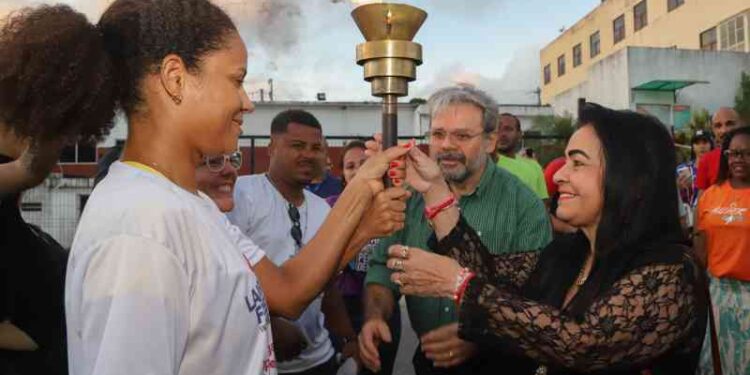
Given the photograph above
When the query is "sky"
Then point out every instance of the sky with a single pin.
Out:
(308, 46)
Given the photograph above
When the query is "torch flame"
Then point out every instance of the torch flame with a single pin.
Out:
(388, 22)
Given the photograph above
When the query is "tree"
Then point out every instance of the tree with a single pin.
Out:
(557, 130)
(742, 100)
(561, 126)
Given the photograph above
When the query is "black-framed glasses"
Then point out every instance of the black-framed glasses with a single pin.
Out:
(296, 231)
(216, 163)
(737, 154)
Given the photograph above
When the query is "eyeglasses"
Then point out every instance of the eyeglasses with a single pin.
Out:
(216, 163)
(296, 229)
(737, 154)
(455, 137)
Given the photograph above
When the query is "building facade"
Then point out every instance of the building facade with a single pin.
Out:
(664, 82)
(709, 25)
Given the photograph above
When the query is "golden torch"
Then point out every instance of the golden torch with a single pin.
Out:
(388, 56)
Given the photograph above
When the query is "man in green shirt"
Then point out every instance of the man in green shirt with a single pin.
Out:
(506, 215)
(509, 136)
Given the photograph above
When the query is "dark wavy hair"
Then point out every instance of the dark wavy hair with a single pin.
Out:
(724, 173)
(55, 77)
(640, 197)
(63, 77)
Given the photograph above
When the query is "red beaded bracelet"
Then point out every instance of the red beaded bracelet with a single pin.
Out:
(432, 211)
(462, 282)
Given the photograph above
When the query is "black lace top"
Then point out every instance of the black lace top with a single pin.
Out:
(648, 319)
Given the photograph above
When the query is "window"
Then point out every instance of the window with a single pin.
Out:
(577, 55)
(674, 4)
(547, 74)
(78, 153)
(708, 40)
(561, 65)
(640, 15)
(732, 34)
(618, 28)
(594, 44)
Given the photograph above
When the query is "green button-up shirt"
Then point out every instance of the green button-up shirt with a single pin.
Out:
(506, 214)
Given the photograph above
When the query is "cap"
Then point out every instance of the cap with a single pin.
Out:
(701, 135)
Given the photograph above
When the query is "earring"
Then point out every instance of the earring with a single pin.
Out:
(177, 99)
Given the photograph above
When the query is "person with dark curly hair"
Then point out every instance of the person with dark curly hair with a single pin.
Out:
(158, 281)
(56, 88)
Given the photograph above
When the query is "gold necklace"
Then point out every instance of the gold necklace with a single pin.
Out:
(582, 275)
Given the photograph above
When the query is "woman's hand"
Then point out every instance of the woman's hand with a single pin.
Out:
(422, 173)
(386, 214)
(380, 162)
(421, 273)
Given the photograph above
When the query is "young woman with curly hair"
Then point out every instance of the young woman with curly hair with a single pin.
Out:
(56, 88)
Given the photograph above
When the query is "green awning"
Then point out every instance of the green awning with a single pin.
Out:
(666, 85)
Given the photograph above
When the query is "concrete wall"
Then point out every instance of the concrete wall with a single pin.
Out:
(343, 118)
(337, 118)
(607, 85)
(721, 70)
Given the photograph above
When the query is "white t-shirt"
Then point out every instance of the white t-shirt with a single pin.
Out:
(261, 212)
(157, 284)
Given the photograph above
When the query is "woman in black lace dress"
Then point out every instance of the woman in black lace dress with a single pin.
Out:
(620, 296)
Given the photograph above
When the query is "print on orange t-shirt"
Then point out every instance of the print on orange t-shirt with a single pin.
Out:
(724, 217)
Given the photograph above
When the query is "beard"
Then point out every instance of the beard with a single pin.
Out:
(457, 174)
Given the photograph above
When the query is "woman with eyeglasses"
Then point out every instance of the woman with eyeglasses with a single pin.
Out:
(156, 281)
(723, 244)
(216, 177)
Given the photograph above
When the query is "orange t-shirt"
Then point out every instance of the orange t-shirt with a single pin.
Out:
(724, 217)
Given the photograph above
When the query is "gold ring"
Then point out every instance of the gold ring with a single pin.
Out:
(405, 252)
(398, 282)
(398, 265)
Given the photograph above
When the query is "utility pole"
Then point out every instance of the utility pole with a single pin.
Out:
(270, 89)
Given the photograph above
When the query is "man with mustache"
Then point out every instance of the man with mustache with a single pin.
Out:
(507, 216)
(276, 212)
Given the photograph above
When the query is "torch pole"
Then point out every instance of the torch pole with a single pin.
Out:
(390, 121)
(390, 126)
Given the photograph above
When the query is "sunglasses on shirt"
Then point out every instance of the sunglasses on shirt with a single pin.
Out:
(296, 231)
